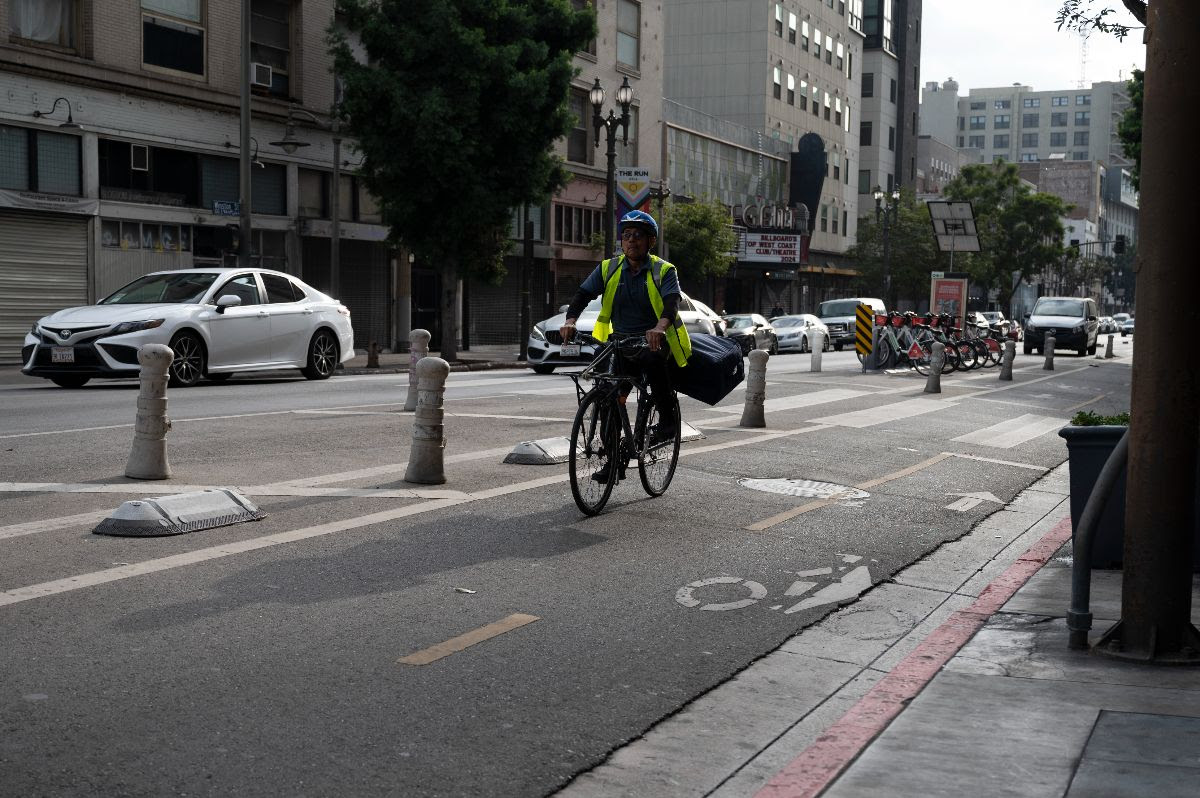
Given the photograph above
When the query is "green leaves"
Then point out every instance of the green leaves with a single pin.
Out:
(699, 236)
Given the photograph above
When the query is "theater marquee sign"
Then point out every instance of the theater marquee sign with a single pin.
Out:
(771, 248)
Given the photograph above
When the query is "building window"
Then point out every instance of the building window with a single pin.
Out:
(1029, 139)
(978, 105)
(791, 28)
(791, 88)
(856, 15)
(779, 20)
(1079, 156)
(1083, 117)
(868, 84)
(577, 140)
(837, 115)
(835, 222)
(892, 90)
(1001, 121)
(827, 108)
(864, 134)
(816, 101)
(804, 36)
(846, 172)
(1058, 139)
(172, 36)
(1080, 138)
(976, 142)
(1032, 102)
(629, 23)
(817, 42)
(837, 167)
(850, 64)
(978, 123)
(1058, 119)
(1029, 157)
(576, 225)
(1083, 99)
(891, 138)
(43, 23)
(776, 86)
(38, 160)
(580, 5)
(804, 95)
(1058, 101)
(824, 218)
(270, 41)
(864, 181)
(1002, 104)
(828, 49)
(845, 224)
(841, 57)
(1031, 120)
(1000, 142)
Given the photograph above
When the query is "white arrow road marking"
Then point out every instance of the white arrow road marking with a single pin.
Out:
(970, 500)
(799, 588)
(685, 597)
(848, 587)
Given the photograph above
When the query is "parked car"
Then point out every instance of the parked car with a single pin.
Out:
(1127, 327)
(218, 321)
(1072, 320)
(718, 322)
(839, 316)
(543, 348)
(995, 319)
(752, 331)
(1108, 325)
(793, 332)
(1121, 318)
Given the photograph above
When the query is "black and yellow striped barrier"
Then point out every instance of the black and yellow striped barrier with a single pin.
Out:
(864, 328)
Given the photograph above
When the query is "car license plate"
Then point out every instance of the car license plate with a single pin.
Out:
(570, 350)
(62, 354)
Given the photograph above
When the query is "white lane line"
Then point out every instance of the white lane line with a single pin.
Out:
(1052, 375)
(515, 418)
(478, 383)
(464, 641)
(51, 524)
(1030, 466)
(1013, 432)
(249, 490)
(886, 413)
(800, 400)
(80, 581)
(390, 468)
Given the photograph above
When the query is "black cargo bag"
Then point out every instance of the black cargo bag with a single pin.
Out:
(714, 369)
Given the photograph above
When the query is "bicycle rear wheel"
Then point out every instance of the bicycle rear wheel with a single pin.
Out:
(923, 363)
(595, 441)
(656, 461)
(966, 355)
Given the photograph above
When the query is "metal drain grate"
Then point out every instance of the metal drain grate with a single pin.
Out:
(806, 488)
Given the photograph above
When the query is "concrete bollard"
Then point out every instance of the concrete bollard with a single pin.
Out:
(816, 342)
(756, 390)
(418, 347)
(373, 355)
(1048, 348)
(1006, 361)
(148, 458)
(1108, 353)
(428, 438)
(937, 359)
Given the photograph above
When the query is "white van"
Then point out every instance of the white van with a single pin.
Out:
(839, 316)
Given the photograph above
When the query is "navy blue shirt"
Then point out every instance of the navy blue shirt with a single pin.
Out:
(632, 312)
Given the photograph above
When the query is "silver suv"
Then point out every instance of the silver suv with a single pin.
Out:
(839, 316)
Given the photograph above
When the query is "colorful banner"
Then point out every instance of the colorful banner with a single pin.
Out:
(949, 295)
(632, 190)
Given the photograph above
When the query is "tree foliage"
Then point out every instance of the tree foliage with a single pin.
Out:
(700, 238)
(1129, 129)
(456, 108)
(1078, 15)
(912, 252)
(1020, 231)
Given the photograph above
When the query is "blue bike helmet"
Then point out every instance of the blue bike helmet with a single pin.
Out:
(641, 219)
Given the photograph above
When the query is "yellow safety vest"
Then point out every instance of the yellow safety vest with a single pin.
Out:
(677, 335)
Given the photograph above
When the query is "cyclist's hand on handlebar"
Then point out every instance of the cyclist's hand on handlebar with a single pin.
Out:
(567, 331)
(655, 338)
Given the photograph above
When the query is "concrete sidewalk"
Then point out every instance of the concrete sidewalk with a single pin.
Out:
(951, 679)
(477, 358)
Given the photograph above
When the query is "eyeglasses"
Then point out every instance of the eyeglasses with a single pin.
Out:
(632, 235)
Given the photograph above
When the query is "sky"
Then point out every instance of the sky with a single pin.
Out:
(989, 43)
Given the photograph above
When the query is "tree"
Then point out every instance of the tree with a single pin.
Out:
(455, 108)
(912, 252)
(1129, 129)
(700, 238)
(1020, 231)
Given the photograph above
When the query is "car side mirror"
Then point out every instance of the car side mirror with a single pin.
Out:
(563, 308)
(228, 301)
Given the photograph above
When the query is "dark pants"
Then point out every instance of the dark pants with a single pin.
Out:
(654, 367)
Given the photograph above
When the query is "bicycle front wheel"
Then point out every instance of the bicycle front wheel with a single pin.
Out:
(656, 461)
(922, 363)
(594, 462)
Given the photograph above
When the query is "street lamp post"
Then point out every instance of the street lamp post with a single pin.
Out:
(243, 253)
(290, 143)
(889, 213)
(610, 124)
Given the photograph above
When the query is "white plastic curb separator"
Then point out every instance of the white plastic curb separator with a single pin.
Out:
(549, 451)
(180, 513)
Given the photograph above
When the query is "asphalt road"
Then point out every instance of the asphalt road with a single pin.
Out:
(277, 657)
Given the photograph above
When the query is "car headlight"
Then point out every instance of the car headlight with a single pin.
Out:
(135, 326)
(1078, 328)
(537, 334)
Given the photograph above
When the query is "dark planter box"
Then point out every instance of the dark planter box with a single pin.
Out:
(1088, 449)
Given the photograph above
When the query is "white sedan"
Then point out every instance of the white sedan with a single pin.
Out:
(218, 321)
(793, 332)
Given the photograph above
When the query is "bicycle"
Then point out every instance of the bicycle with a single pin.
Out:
(602, 439)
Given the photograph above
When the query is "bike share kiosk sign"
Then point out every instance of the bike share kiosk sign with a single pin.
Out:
(948, 294)
(954, 230)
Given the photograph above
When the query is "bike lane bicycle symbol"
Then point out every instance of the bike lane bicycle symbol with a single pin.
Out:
(848, 586)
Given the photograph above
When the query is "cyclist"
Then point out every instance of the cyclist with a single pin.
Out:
(641, 298)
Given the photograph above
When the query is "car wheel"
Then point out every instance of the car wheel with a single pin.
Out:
(187, 368)
(1028, 349)
(322, 356)
(70, 381)
(803, 344)
(774, 349)
(542, 369)
(222, 377)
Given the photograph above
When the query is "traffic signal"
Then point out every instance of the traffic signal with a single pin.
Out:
(1119, 245)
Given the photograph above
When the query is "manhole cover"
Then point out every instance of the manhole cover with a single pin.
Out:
(806, 488)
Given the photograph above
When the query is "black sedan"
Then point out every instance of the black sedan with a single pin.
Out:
(752, 331)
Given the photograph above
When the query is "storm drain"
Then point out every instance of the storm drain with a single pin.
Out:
(183, 512)
(805, 488)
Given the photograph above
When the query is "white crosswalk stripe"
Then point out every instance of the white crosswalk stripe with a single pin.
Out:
(1013, 432)
(886, 413)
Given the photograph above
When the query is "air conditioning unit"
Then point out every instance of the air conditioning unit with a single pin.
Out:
(139, 157)
(260, 75)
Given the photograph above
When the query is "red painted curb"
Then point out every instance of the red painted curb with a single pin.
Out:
(817, 766)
